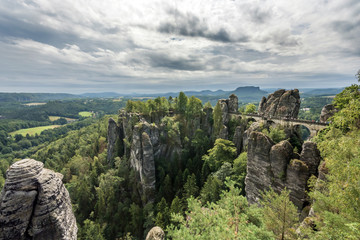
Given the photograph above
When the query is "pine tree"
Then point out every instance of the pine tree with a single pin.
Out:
(280, 214)
(190, 187)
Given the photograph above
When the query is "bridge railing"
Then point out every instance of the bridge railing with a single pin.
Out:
(287, 119)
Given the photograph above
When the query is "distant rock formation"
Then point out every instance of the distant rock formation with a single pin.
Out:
(156, 233)
(34, 204)
(327, 112)
(281, 103)
(276, 166)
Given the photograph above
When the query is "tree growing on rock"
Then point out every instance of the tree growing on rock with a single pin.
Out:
(250, 109)
(223, 151)
(280, 214)
(218, 122)
(181, 103)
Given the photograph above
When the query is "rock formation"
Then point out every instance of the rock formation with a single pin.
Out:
(281, 103)
(156, 233)
(34, 204)
(238, 138)
(327, 112)
(139, 139)
(229, 110)
(276, 166)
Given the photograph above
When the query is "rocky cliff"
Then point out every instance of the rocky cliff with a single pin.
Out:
(277, 166)
(281, 103)
(34, 204)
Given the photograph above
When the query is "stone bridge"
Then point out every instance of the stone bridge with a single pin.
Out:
(314, 127)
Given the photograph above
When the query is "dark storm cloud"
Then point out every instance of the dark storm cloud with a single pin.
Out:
(190, 25)
(13, 27)
(159, 60)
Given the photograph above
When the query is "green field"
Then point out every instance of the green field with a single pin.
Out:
(86, 114)
(33, 131)
(54, 118)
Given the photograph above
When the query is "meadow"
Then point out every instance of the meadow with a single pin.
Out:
(33, 131)
(85, 114)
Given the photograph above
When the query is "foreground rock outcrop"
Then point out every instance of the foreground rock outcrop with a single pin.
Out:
(34, 204)
(156, 233)
(281, 103)
(277, 166)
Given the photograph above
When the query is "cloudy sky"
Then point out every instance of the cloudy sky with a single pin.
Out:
(127, 46)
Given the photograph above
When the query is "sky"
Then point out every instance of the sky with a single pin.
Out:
(153, 46)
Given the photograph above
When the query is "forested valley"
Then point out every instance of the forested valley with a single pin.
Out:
(200, 167)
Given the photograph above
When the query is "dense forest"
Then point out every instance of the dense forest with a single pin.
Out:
(62, 108)
(200, 191)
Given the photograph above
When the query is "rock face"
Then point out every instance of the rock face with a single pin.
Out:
(156, 233)
(34, 204)
(253, 127)
(275, 165)
(258, 177)
(281, 103)
(206, 121)
(327, 112)
(233, 103)
(142, 157)
(310, 155)
(113, 135)
(238, 138)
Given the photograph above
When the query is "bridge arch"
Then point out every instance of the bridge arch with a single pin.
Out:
(304, 131)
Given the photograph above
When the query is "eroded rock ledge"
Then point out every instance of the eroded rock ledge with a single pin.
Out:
(34, 204)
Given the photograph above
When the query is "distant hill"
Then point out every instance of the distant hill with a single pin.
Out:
(33, 97)
(245, 94)
(320, 92)
(249, 91)
(101, 95)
